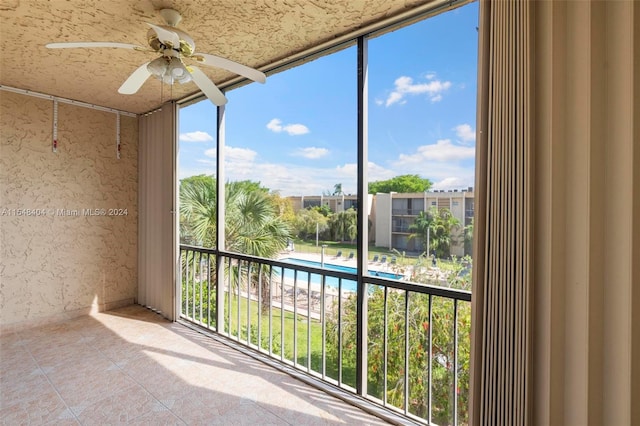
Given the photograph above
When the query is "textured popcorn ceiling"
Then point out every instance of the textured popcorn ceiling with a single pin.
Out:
(254, 32)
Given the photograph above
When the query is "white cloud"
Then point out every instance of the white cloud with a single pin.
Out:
(294, 179)
(465, 133)
(405, 86)
(239, 154)
(240, 163)
(443, 150)
(311, 152)
(207, 162)
(347, 170)
(452, 183)
(375, 171)
(276, 126)
(197, 136)
(447, 164)
(296, 129)
(393, 98)
(232, 154)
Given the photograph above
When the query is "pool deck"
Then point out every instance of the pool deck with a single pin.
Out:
(434, 272)
(333, 260)
(306, 301)
(311, 305)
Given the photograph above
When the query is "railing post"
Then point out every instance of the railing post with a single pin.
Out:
(220, 219)
(363, 229)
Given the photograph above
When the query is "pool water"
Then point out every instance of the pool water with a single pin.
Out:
(347, 285)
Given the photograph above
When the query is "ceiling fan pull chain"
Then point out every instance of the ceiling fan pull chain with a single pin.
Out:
(118, 135)
(55, 126)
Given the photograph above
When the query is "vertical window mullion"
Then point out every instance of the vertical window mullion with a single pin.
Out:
(220, 220)
(363, 231)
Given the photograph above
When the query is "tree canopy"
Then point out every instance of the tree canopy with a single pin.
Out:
(254, 222)
(402, 183)
(344, 225)
(435, 226)
(308, 221)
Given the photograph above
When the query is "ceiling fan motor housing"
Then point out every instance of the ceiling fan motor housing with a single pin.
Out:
(187, 45)
(172, 17)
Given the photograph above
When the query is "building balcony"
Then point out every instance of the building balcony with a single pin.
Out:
(291, 360)
(406, 212)
(132, 366)
(405, 352)
(400, 230)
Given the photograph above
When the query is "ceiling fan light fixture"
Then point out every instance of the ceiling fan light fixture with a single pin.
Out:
(178, 72)
(158, 67)
(169, 70)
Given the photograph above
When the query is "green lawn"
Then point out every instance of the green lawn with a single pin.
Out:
(300, 324)
(306, 332)
(333, 247)
(289, 330)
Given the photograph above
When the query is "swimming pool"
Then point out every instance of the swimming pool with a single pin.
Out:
(347, 285)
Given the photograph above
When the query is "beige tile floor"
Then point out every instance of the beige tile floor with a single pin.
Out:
(131, 366)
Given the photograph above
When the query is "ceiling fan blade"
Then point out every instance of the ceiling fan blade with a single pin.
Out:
(135, 80)
(166, 37)
(92, 44)
(207, 86)
(243, 70)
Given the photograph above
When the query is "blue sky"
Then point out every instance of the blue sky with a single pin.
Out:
(297, 133)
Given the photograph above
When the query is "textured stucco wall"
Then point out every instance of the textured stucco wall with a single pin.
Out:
(56, 265)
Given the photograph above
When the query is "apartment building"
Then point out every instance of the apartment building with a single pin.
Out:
(391, 215)
(337, 203)
(396, 212)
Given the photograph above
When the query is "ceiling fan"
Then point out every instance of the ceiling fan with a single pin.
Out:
(173, 46)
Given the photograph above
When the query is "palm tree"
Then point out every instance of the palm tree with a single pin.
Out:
(468, 238)
(344, 225)
(421, 228)
(198, 220)
(435, 228)
(443, 225)
(252, 223)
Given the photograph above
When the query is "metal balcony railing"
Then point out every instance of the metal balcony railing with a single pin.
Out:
(414, 358)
